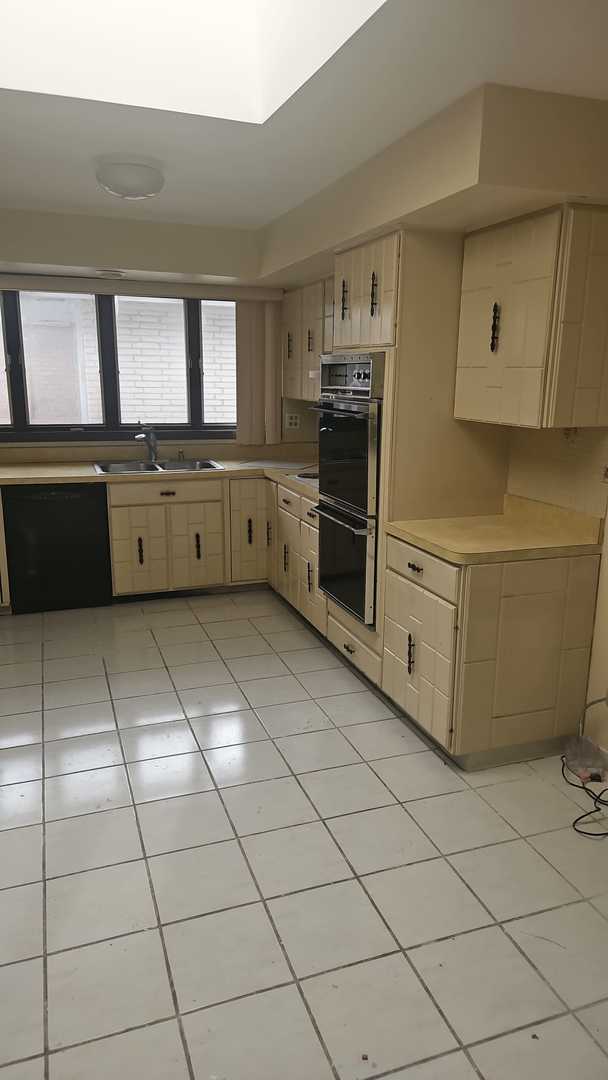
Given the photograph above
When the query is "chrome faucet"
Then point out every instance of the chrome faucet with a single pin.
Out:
(148, 435)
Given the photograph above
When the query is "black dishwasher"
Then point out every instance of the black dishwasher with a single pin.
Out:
(57, 546)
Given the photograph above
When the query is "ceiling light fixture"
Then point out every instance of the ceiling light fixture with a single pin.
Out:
(130, 179)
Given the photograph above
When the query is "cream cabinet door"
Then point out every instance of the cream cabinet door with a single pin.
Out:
(508, 288)
(313, 603)
(328, 314)
(292, 344)
(420, 631)
(312, 340)
(196, 543)
(271, 532)
(139, 549)
(347, 299)
(288, 550)
(248, 529)
(379, 276)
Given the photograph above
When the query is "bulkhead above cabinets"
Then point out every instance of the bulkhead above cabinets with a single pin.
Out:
(533, 337)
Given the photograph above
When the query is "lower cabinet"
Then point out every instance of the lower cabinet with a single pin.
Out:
(249, 531)
(288, 551)
(196, 544)
(157, 548)
(500, 659)
(140, 561)
(313, 604)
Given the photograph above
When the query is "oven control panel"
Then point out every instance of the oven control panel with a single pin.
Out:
(352, 375)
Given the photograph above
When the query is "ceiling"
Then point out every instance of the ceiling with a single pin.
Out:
(407, 62)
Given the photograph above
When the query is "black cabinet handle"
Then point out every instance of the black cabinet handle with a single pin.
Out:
(373, 295)
(285, 557)
(495, 331)
(249, 531)
(343, 303)
(140, 551)
(309, 576)
(309, 340)
(311, 514)
(167, 493)
(197, 544)
(268, 534)
(411, 646)
(416, 569)
(287, 502)
(349, 649)
(289, 344)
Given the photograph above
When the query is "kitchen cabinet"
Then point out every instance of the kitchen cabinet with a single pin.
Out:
(292, 344)
(488, 656)
(140, 562)
(328, 315)
(365, 294)
(533, 320)
(288, 550)
(249, 539)
(304, 328)
(312, 602)
(196, 544)
(312, 340)
(167, 535)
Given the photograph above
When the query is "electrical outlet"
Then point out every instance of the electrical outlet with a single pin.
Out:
(292, 421)
(605, 474)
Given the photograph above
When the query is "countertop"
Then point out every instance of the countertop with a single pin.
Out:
(526, 529)
(78, 472)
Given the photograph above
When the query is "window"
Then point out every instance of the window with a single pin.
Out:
(218, 322)
(61, 358)
(86, 366)
(152, 364)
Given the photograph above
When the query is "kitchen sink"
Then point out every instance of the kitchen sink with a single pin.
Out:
(188, 466)
(118, 467)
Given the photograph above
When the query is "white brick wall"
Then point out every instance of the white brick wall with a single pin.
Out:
(60, 336)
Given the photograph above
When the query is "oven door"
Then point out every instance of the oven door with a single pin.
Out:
(348, 454)
(347, 560)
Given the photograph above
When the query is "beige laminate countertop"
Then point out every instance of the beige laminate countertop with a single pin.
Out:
(526, 529)
(79, 472)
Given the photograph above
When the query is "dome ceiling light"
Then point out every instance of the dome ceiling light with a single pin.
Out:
(130, 179)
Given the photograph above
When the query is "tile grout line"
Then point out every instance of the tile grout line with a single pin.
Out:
(268, 915)
(45, 972)
(159, 926)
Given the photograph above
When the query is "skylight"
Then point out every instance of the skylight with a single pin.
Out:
(230, 59)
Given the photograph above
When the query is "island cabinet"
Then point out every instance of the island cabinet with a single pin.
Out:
(488, 656)
(533, 342)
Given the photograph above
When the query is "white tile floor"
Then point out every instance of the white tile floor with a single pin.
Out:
(233, 859)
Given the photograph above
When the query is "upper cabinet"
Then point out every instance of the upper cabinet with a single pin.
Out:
(533, 341)
(303, 332)
(365, 295)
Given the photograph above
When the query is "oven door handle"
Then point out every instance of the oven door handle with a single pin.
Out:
(336, 521)
(362, 415)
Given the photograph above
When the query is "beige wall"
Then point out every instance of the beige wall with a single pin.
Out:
(566, 468)
(131, 451)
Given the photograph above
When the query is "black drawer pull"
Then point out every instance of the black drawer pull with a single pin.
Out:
(167, 493)
(197, 544)
(416, 569)
(140, 551)
(249, 531)
(286, 501)
(411, 646)
(349, 649)
(311, 514)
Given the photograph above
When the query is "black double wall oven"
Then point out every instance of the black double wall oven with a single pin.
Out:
(349, 453)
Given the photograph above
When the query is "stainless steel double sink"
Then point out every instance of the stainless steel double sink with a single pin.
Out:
(120, 468)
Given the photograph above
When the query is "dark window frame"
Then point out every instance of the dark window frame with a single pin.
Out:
(112, 430)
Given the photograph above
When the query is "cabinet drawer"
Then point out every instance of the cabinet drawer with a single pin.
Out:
(166, 491)
(308, 512)
(358, 654)
(288, 501)
(416, 565)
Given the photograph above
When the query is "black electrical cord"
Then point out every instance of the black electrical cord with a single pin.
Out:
(598, 799)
